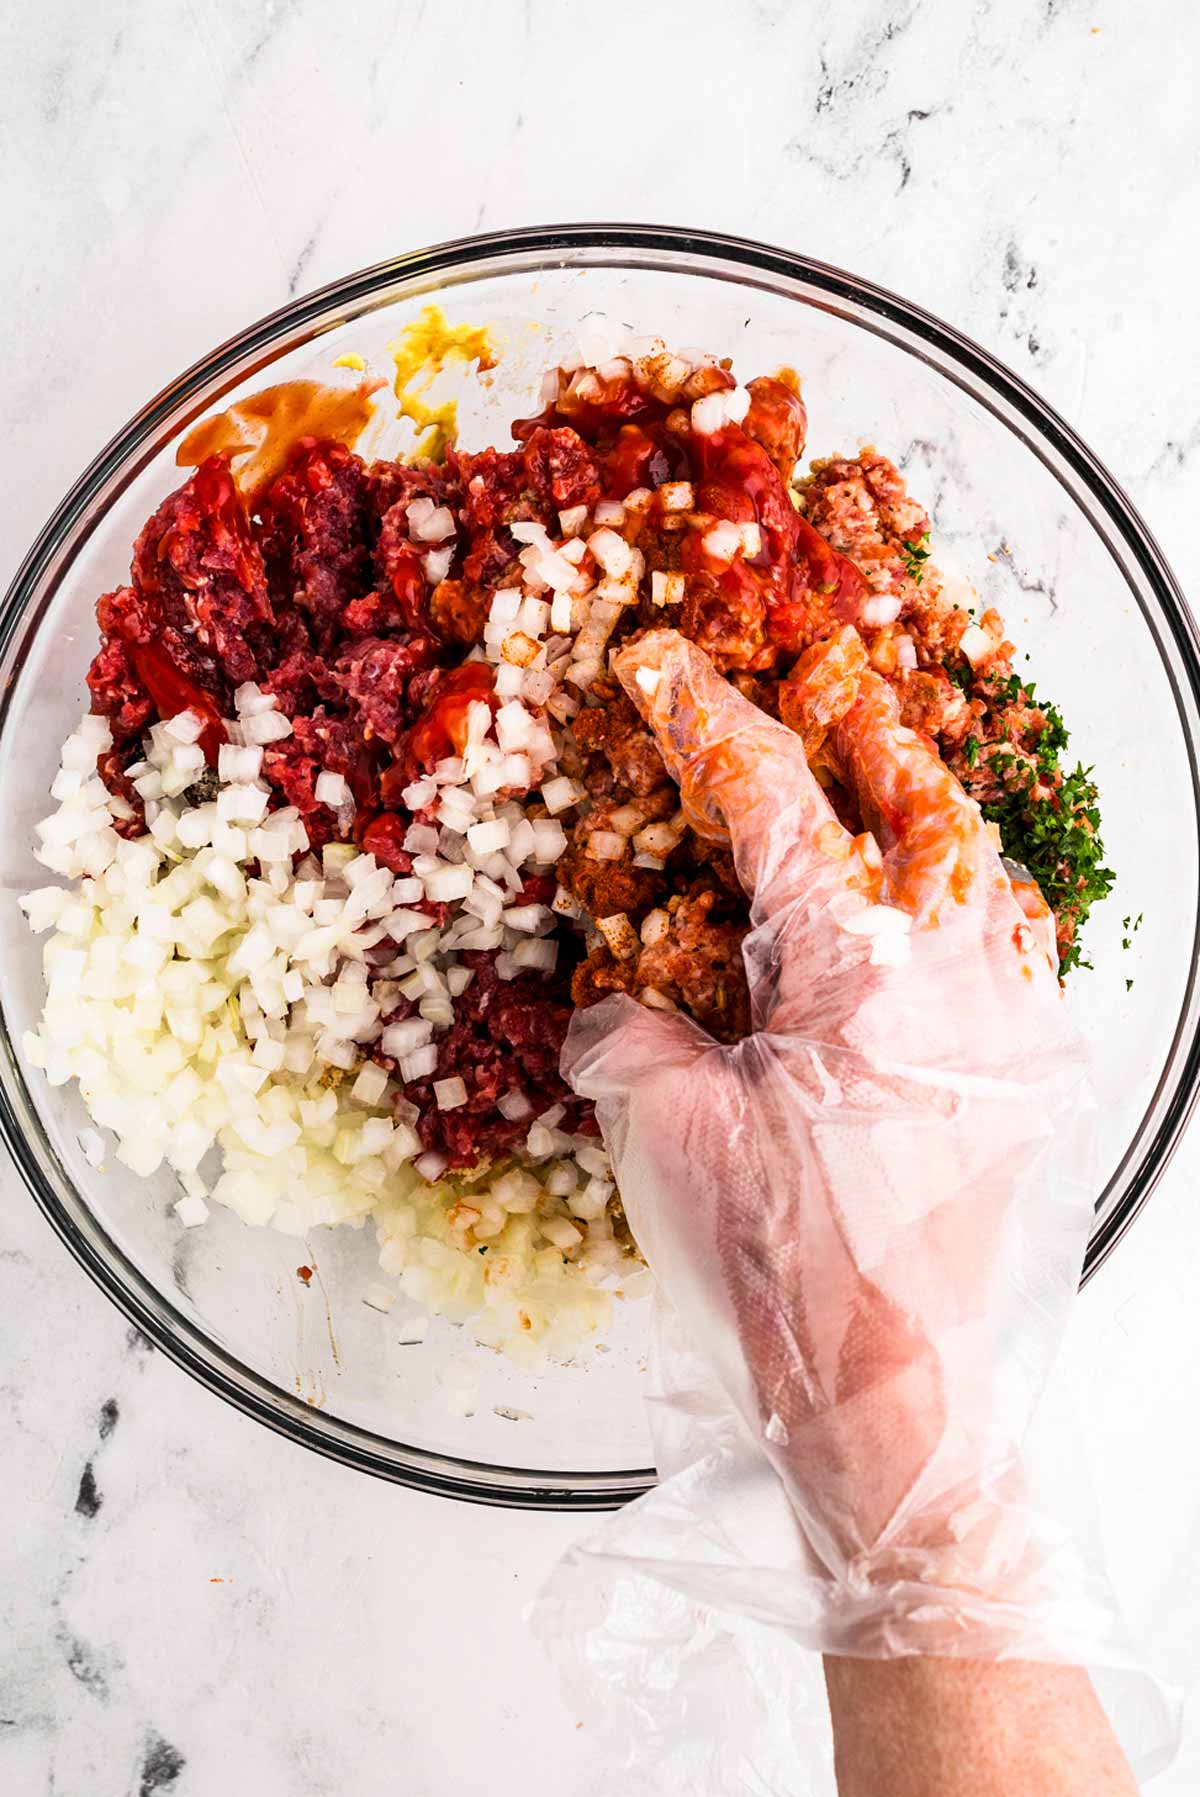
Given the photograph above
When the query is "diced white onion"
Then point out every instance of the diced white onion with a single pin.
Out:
(657, 839)
(619, 934)
(419, 1064)
(370, 1085)
(560, 793)
(656, 927)
(331, 789)
(265, 727)
(976, 643)
(406, 1037)
(541, 954)
(549, 841)
(605, 845)
(486, 838)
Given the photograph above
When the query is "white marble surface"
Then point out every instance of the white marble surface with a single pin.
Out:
(188, 1604)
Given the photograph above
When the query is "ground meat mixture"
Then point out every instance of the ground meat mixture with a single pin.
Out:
(504, 1033)
(317, 588)
(382, 603)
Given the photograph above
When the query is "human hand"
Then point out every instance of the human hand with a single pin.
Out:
(859, 1212)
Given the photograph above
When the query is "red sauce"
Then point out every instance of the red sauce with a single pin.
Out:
(617, 401)
(440, 731)
(407, 580)
(823, 570)
(736, 479)
(443, 729)
(173, 692)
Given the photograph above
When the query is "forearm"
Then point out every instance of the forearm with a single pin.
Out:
(960, 1728)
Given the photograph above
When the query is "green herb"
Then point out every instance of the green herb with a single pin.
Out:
(1056, 836)
(961, 676)
(1054, 738)
(1129, 985)
(971, 750)
(915, 555)
(1055, 833)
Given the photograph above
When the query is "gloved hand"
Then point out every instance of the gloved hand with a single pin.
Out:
(870, 1215)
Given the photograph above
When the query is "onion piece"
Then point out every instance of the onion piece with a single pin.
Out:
(560, 794)
(626, 820)
(605, 845)
(657, 839)
(538, 955)
(655, 1000)
(619, 934)
(667, 589)
(656, 927)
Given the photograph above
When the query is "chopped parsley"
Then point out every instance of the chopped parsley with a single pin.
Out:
(960, 676)
(1129, 985)
(1055, 834)
(1057, 838)
(915, 556)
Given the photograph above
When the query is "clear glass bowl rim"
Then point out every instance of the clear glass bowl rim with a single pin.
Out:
(726, 258)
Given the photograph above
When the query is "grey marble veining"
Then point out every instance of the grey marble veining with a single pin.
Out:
(189, 1605)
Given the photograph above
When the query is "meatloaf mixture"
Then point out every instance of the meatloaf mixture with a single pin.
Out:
(403, 619)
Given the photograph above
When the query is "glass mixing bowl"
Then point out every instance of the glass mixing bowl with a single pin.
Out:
(1019, 503)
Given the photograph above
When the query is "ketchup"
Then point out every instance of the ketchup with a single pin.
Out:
(440, 731)
(617, 401)
(173, 692)
(408, 583)
(823, 569)
(443, 729)
(795, 566)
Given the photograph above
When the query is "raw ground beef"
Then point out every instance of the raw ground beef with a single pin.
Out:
(315, 589)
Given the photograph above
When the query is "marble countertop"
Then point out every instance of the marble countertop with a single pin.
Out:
(188, 1604)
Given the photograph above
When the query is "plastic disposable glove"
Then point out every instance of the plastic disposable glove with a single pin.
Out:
(868, 1218)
